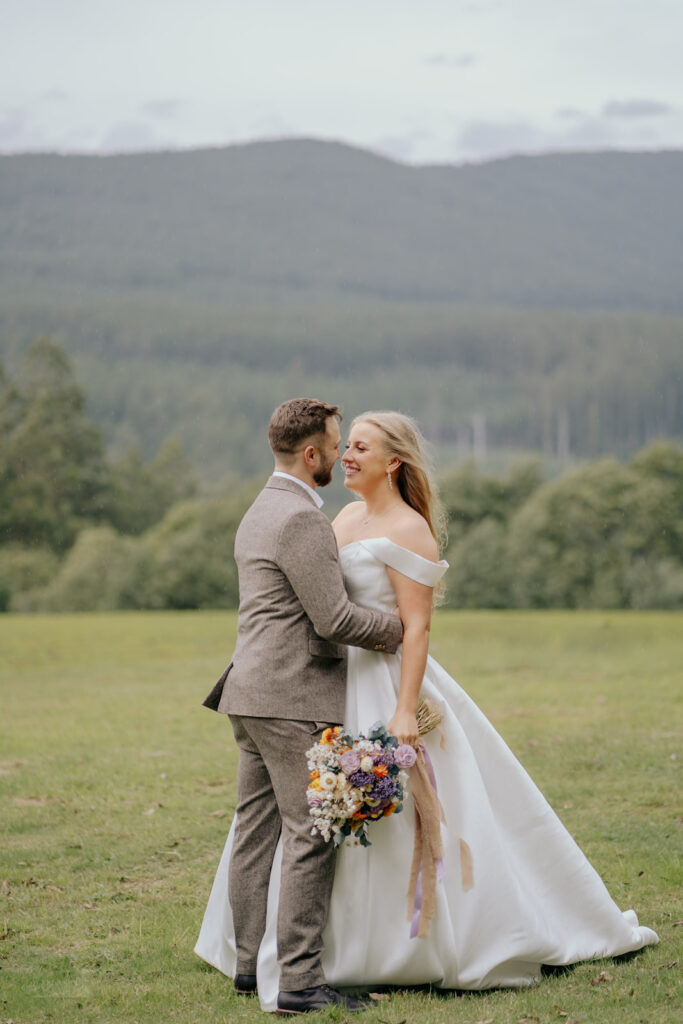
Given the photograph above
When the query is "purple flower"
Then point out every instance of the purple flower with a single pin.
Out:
(405, 756)
(384, 789)
(386, 757)
(360, 779)
(313, 799)
(349, 761)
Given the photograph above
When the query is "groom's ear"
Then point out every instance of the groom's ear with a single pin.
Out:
(309, 454)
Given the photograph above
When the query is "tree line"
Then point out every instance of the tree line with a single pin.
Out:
(80, 531)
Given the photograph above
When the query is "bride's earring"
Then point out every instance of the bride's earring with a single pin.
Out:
(391, 486)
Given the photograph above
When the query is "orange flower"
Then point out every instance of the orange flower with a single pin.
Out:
(380, 770)
(326, 736)
(315, 774)
(390, 810)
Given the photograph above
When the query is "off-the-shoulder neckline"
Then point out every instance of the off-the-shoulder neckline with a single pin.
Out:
(366, 540)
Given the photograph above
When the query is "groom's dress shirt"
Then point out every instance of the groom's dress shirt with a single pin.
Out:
(302, 483)
(295, 617)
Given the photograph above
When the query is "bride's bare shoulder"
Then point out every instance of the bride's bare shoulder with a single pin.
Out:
(351, 513)
(411, 531)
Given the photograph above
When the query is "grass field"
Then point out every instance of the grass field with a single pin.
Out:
(117, 790)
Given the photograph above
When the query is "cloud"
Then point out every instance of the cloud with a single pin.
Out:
(575, 131)
(636, 108)
(17, 131)
(167, 109)
(132, 137)
(450, 60)
(481, 139)
(398, 147)
(570, 113)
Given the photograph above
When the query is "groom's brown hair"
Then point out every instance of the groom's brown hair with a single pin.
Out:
(296, 421)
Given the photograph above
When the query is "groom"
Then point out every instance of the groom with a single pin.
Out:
(285, 684)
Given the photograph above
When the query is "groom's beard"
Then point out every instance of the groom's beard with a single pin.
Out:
(323, 476)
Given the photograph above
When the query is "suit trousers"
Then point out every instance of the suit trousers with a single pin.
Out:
(272, 779)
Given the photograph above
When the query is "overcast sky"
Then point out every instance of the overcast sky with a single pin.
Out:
(423, 81)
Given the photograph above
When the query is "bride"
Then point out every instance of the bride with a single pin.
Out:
(516, 892)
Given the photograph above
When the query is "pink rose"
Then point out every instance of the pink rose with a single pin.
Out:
(405, 756)
(349, 761)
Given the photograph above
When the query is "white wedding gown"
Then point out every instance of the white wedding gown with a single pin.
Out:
(535, 898)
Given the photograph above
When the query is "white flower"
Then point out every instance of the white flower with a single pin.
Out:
(366, 764)
(328, 780)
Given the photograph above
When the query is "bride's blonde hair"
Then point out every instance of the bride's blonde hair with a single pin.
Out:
(415, 475)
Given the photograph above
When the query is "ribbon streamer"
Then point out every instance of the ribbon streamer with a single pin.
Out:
(427, 867)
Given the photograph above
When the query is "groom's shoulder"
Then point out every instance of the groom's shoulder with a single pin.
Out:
(278, 503)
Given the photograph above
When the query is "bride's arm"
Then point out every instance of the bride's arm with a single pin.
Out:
(415, 611)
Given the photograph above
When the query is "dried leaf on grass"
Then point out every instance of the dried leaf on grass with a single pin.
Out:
(601, 977)
(218, 814)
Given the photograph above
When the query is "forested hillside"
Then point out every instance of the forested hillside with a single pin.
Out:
(82, 531)
(528, 304)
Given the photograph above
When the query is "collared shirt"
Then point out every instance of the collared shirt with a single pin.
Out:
(314, 494)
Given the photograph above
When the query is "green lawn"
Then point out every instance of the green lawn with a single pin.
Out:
(117, 790)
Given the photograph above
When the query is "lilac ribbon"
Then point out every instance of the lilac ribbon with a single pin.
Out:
(417, 903)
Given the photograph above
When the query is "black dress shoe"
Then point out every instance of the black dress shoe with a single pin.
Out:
(245, 984)
(308, 1000)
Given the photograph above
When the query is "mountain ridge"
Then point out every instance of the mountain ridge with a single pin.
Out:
(569, 231)
(197, 289)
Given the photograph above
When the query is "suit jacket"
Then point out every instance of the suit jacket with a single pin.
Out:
(295, 615)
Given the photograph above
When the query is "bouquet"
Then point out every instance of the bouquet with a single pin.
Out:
(355, 780)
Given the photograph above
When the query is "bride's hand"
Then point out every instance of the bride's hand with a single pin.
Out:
(403, 726)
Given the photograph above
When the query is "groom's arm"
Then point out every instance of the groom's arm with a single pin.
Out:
(308, 556)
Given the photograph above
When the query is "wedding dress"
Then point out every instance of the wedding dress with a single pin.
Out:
(535, 899)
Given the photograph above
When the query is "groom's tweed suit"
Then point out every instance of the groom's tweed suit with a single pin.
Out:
(285, 683)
